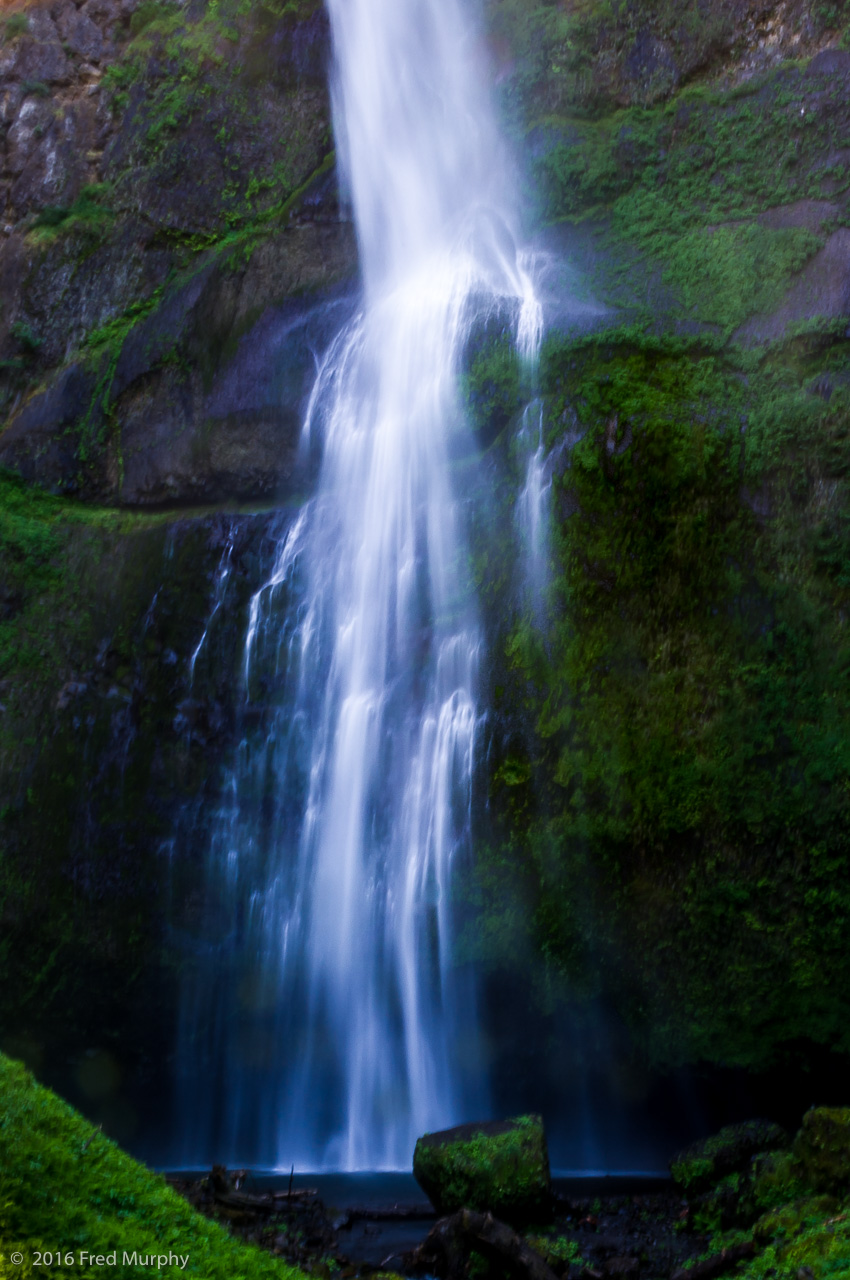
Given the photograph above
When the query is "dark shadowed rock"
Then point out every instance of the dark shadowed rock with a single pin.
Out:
(42, 442)
(203, 398)
(44, 61)
(81, 34)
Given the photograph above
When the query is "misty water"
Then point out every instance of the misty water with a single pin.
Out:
(331, 858)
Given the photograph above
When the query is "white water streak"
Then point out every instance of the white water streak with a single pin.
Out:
(352, 924)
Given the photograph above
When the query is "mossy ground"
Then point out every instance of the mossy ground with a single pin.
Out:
(65, 1188)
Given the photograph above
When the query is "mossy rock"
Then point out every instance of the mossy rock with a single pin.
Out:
(705, 1163)
(789, 1219)
(823, 1148)
(778, 1179)
(500, 1166)
(771, 1181)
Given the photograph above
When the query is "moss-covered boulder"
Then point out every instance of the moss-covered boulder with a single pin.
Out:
(704, 1164)
(771, 1180)
(500, 1166)
(778, 1178)
(823, 1148)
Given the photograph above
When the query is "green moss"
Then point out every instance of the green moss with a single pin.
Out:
(680, 187)
(777, 1180)
(556, 1250)
(90, 213)
(506, 1172)
(492, 384)
(820, 1249)
(17, 24)
(63, 1185)
(789, 1220)
(684, 817)
(823, 1148)
(150, 11)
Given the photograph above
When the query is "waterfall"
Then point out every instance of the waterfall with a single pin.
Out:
(532, 513)
(330, 1012)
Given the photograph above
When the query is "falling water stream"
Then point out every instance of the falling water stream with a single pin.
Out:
(331, 855)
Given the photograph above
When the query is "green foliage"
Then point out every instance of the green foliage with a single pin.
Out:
(556, 1250)
(492, 384)
(35, 87)
(820, 1249)
(683, 185)
(63, 1184)
(90, 213)
(151, 11)
(17, 24)
(777, 1179)
(790, 1219)
(23, 334)
(676, 817)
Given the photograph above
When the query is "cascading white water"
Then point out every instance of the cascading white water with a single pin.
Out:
(367, 630)
(533, 506)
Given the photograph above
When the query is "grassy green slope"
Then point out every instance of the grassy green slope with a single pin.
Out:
(65, 1187)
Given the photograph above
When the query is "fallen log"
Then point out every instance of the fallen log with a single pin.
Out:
(262, 1202)
(448, 1245)
(390, 1212)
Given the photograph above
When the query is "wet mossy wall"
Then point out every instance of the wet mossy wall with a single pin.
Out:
(668, 761)
(107, 734)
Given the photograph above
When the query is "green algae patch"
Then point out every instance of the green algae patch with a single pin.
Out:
(500, 1167)
(823, 1148)
(65, 1188)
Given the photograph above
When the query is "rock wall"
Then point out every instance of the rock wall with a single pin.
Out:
(167, 185)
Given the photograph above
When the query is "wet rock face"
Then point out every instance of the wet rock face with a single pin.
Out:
(126, 299)
(501, 1167)
(202, 399)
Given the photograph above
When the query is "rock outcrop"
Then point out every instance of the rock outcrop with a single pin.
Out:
(498, 1167)
(167, 185)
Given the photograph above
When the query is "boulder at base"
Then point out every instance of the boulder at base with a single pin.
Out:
(499, 1166)
(823, 1148)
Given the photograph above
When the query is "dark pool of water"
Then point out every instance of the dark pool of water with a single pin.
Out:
(382, 1238)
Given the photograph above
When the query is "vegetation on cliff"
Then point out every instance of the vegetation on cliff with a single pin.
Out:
(670, 766)
(669, 772)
